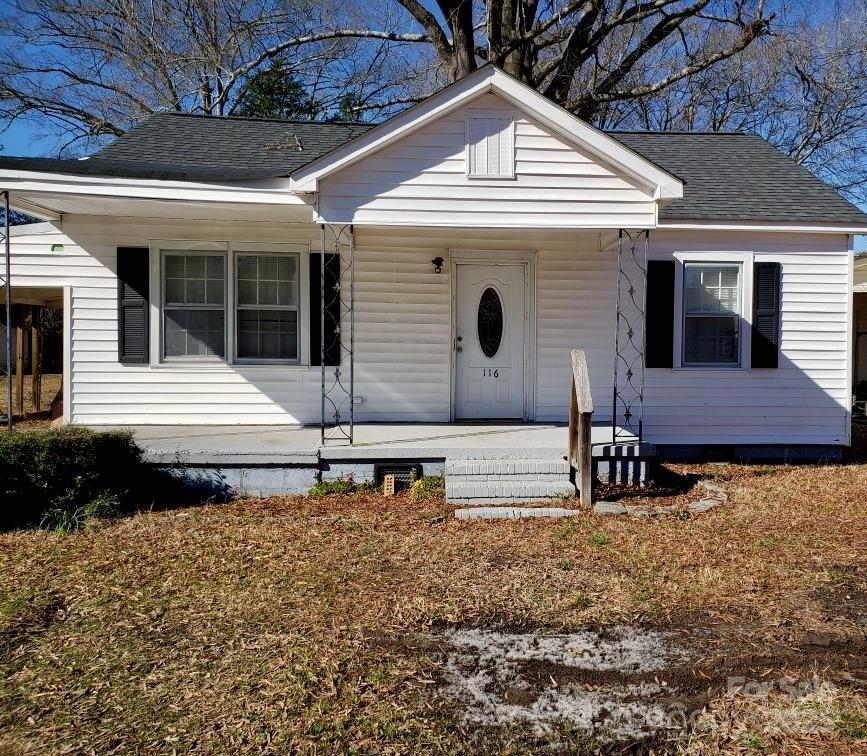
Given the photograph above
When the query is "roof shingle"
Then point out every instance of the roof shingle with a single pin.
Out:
(248, 147)
(738, 177)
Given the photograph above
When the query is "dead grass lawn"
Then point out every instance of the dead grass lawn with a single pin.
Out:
(32, 419)
(287, 625)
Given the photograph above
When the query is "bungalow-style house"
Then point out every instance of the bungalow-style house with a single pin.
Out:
(439, 268)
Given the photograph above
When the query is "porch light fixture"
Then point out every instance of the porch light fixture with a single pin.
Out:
(437, 262)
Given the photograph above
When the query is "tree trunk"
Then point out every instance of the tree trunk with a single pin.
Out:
(459, 16)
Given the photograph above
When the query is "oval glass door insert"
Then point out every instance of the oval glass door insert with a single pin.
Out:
(490, 322)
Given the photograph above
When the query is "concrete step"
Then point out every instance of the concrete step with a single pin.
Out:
(512, 513)
(463, 469)
(515, 490)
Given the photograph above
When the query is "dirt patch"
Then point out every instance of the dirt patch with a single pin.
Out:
(845, 595)
(611, 684)
(626, 686)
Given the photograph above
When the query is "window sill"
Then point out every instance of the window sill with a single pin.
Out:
(507, 177)
(221, 365)
(709, 368)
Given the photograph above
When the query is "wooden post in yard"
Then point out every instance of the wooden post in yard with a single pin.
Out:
(580, 423)
(18, 320)
(36, 357)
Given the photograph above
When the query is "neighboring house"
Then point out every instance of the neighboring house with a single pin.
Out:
(483, 226)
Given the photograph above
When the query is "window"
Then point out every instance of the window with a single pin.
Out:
(490, 146)
(267, 306)
(711, 314)
(194, 293)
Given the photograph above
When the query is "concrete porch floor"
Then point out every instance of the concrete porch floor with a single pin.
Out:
(292, 444)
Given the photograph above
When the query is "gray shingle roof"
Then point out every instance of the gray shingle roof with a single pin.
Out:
(727, 176)
(258, 148)
(738, 177)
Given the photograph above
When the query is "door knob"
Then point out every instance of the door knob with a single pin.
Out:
(459, 349)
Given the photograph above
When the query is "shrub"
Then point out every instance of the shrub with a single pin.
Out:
(427, 487)
(340, 486)
(58, 477)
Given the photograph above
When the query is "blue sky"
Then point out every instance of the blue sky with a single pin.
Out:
(19, 140)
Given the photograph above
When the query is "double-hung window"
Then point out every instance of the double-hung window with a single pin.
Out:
(194, 309)
(267, 294)
(237, 303)
(711, 314)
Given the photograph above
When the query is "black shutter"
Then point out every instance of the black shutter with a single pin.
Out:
(766, 314)
(659, 316)
(332, 309)
(133, 275)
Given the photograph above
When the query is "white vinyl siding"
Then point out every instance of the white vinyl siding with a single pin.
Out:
(490, 146)
(403, 347)
(422, 180)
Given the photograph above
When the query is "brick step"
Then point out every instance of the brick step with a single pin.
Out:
(496, 468)
(512, 513)
(482, 492)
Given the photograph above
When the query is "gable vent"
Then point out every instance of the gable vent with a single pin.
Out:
(490, 146)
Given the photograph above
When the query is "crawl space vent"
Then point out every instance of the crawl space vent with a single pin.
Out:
(404, 475)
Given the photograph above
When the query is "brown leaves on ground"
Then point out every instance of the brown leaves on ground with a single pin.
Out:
(257, 626)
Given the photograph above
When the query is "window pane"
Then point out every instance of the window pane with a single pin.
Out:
(176, 333)
(246, 267)
(267, 268)
(194, 333)
(288, 293)
(246, 292)
(214, 291)
(711, 289)
(195, 291)
(215, 267)
(174, 266)
(288, 268)
(174, 291)
(195, 266)
(267, 292)
(711, 340)
(267, 334)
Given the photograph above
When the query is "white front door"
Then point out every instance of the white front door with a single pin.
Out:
(490, 341)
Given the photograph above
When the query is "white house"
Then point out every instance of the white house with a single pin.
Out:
(480, 235)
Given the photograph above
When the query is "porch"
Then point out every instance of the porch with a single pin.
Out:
(264, 460)
(265, 445)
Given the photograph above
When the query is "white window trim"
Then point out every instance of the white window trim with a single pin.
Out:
(302, 252)
(229, 250)
(745, 282)
(162, 294)
(489, 114)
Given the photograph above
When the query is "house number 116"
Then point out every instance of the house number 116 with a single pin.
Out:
(490, 373)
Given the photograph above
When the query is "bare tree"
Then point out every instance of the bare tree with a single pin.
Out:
(803, 88)
(584, 53)
(93, 68)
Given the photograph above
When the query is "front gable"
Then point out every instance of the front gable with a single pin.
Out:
(487, 156)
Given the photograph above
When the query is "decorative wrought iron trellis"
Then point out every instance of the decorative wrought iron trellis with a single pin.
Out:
(337, 335)
(629, 332)
(6, 283)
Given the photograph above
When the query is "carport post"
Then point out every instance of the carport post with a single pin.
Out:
(7, 283)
